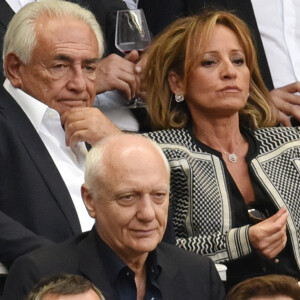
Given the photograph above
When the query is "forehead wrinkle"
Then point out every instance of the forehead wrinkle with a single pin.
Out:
(67, 58)
(73, 39)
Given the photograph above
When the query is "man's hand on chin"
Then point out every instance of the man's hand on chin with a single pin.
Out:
(86, 124)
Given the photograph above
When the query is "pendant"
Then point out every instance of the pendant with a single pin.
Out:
(232, 158)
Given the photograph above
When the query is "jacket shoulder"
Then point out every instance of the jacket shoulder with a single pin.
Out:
(174, 139)
(274, 137)
(51, 258)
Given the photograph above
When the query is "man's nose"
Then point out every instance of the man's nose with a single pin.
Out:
(77, 80)
(146, 211)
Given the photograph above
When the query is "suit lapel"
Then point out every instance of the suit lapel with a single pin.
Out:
(40, 157)
(171, 281)
(91, 266)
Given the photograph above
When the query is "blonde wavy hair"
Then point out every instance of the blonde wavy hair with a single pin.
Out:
(179, 48)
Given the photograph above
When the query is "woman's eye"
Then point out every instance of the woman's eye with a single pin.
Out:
(207, 63)
(239, 61)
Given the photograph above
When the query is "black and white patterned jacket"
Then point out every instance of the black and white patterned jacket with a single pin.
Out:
(200, 199)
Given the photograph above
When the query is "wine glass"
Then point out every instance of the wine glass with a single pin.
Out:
(132, 33)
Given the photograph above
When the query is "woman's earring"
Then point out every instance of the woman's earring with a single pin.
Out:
(179, 98)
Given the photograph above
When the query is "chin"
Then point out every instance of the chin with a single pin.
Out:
(146, 245)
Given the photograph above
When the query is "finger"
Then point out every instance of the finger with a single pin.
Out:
(74, 113)
(125, 81)
(283, 99)
(288, 104)
(291, 88)
(64, 116)
(270, 245)
(283, 119)
(76, 137)
(281, 213)
(129, 89)
(261, 233)
(73, 120)
(276, 236)
(133, 56)
(275, 248)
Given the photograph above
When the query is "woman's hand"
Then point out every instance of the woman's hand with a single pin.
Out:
(269, 237)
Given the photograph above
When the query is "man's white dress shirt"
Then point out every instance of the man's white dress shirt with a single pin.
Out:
(69, 162)
(279, 25)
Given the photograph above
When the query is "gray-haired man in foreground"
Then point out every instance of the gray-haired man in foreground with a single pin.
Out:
(126, 190)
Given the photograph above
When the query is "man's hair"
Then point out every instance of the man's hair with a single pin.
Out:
(20, 36)
(94, 164)
(265, 286)
(62, 284)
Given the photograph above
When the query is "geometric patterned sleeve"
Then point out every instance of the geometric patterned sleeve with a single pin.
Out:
(219, 247)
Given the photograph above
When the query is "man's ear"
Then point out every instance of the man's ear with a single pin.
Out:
(88, 201)
(175, 83)
(12, 65)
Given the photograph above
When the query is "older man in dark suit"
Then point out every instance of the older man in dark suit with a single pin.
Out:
(45, 119)
(117, 76)
(126, 190)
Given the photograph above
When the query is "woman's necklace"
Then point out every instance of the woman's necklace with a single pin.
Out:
(232, 157)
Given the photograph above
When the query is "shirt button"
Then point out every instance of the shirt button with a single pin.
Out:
(128, 273)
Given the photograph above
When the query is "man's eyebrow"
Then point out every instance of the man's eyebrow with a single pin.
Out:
(92, 60)
(63, 57)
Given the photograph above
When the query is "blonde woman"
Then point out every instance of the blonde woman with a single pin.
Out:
(235, 187)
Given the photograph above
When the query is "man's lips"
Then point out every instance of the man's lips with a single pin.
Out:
(144, 232)
(73, 102)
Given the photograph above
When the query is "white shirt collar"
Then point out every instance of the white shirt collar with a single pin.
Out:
(33, 108)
